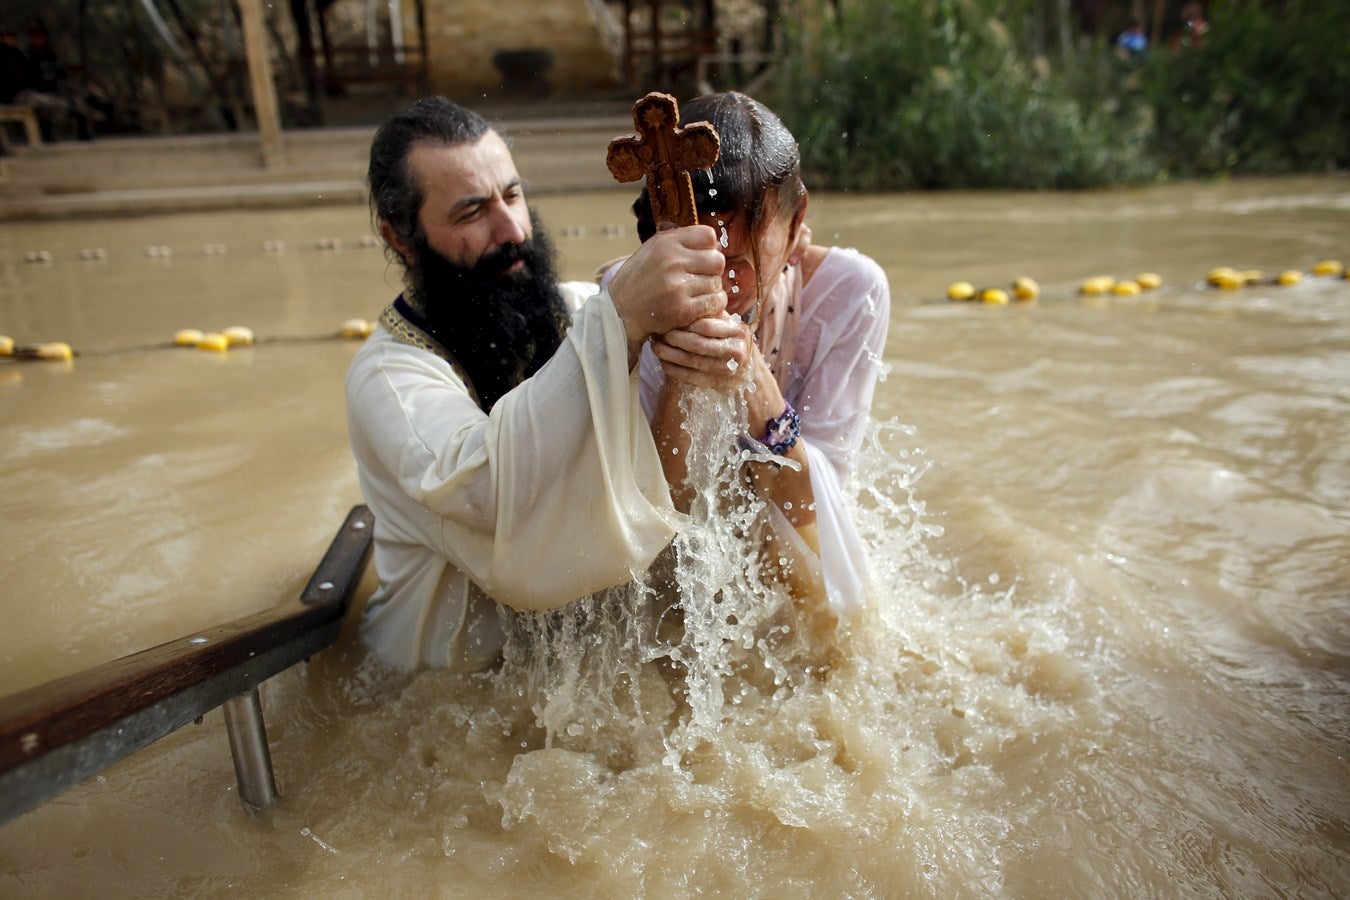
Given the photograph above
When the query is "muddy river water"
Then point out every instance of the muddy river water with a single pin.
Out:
(1109, 649)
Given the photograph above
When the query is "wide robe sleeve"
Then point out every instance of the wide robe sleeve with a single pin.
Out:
(555, 494)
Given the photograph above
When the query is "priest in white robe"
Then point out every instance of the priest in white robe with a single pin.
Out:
(494, 414)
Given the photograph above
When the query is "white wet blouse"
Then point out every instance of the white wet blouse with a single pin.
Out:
(834, 339)
(556, 494)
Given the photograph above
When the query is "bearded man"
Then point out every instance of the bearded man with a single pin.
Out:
(494, 413)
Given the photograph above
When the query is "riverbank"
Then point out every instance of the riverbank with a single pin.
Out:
(559, 149)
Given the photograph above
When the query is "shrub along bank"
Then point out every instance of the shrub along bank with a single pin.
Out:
(896, 94)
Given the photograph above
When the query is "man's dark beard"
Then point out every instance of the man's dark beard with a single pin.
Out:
(501, 327)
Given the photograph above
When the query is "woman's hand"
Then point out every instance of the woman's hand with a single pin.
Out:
(711, 352)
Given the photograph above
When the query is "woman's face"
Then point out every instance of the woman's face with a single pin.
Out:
(739, 277)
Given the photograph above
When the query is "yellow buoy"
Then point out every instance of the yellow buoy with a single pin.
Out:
(994, 295)
(1222, 273)
(1149, 281)
(187, 337)
(1025, 288)
(238, 336)
(1097, 285)
(214, 341)
(1328, 267)
(6, 345)
(960, 290)
(1230, 280)
(1126, 288)
(1290, 276)
(354, 329)
(59, 350)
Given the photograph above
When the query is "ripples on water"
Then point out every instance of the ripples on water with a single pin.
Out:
(1106, 655)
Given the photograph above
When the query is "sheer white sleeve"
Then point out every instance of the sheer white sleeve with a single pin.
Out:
(845, 317)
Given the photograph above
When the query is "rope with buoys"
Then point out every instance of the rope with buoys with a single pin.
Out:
(223, 341)
(1023, 289)
(1026, 290)
(273, 247)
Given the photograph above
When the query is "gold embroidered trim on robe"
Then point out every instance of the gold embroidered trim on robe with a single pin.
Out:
(406, 332)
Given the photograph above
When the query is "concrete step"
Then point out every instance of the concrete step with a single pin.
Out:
(122, 176)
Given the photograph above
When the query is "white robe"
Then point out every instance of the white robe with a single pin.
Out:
(556, 494)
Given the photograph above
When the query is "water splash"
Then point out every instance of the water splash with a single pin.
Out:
(710, 625)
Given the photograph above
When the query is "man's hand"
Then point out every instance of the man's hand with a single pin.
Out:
(674, 279)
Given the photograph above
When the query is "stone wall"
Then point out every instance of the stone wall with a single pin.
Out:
(463, 36)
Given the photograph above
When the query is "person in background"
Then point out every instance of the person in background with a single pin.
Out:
(1193, 26)
(1132, 43)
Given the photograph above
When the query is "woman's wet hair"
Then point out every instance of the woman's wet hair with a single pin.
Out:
(758, 163)
(395, 195)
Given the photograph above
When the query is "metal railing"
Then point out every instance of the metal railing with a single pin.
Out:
(55, 735)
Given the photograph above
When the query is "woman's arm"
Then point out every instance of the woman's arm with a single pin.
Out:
(719, 352)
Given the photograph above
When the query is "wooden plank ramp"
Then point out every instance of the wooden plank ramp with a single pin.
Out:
(55, 735)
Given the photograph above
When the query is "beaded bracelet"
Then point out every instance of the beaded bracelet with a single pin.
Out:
(781, 433)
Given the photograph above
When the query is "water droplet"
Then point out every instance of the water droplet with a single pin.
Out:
(712, 192)
(733, 365)
(735, 288)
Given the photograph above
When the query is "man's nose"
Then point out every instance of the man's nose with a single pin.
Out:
(506, 229)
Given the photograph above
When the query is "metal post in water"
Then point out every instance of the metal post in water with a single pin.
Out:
(248, 746)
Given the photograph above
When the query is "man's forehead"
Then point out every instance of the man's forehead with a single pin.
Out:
(472, 168)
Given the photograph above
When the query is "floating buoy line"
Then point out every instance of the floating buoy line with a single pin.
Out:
(272, 247)
(1022, 290)
(223, 341)
(1026, 290)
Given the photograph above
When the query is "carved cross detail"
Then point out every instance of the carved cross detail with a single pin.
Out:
(664, 152)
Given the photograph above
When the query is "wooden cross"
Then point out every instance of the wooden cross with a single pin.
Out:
(664, 152)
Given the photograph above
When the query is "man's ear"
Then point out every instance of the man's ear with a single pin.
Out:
(402, 246)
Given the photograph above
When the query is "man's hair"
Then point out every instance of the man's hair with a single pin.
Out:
(395, 195)
(758, 155)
